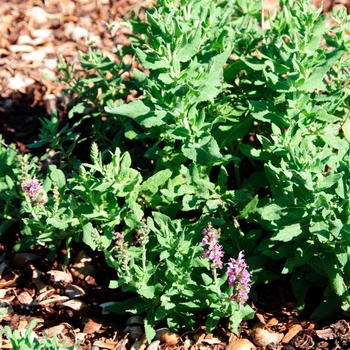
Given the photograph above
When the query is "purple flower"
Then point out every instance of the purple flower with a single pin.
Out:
(34, 189)
(239, 278)
(214, 251)
(108, 26)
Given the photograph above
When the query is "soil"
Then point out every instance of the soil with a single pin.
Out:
(68, 302)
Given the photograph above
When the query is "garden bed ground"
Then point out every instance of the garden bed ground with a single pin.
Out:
(69, 302)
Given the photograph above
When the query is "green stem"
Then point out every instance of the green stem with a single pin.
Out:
(216, 281)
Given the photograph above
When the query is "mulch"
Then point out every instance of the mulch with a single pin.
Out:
(68, 301)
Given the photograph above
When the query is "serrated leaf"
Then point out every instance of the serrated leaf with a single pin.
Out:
(189, 46)
(141, 111)
(213, 85)
(156, 180)
(317, 32)
(315, 79)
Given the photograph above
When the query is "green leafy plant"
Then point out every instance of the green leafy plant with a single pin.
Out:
(173, 278)
(30, 341)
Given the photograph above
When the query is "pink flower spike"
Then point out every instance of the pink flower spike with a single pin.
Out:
(239, 278)
(214, 251)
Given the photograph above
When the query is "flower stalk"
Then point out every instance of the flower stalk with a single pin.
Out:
(238, 275)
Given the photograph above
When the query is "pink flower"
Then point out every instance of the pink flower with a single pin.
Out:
(34, 189)
(239, 278)
(214, 251)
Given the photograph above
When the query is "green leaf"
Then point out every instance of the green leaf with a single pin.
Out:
(329, 308)
(242, 313)
(315, 80)
(317, 32)
(142, 111)
(88, 236)
(78, 108)
(287, 233)
(249, 208)
(132, 110)
(204, 152)
(151, 61)
(189, 46)
(125, 306)
(212, 320)
(206, 279)
(346, 128)
(212, 84)
(57, 176)
(150, 332)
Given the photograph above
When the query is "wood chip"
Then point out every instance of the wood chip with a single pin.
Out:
(53, 300)
(25, 298)
(104, 345)
(11, 279)
(241, 344)
(21, 48)
(74, 291)
(77, 305)
(91, 326)
(292, 332)
(60, 276)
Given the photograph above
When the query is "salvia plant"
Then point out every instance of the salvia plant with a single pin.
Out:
(233, 152)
